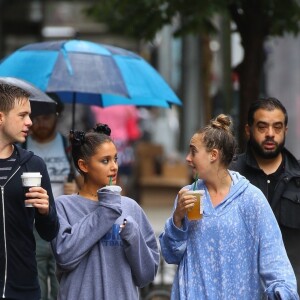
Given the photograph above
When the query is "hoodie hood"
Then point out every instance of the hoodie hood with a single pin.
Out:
(239, 184)
(24, 155)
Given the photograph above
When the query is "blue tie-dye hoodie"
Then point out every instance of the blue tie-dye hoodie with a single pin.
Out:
(234, 252)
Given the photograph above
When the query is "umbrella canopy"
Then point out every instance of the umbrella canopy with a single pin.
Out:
(85, 72)
(40, 101)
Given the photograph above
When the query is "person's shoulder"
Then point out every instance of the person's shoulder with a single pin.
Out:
(62, 136)
(238, 161)
(66, 145)
(61, 197)
(131, 204)
(129, 201)
(239, 156)
(253, 197)
(290, 158)
(65, 200)
(36, 158)
(28, 155)
(254, 189)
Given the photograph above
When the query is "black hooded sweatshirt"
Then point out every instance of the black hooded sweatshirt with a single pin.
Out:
(18, 270)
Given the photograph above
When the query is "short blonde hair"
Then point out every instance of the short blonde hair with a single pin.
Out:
(10, 95)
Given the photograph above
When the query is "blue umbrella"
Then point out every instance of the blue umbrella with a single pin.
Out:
(85, 72)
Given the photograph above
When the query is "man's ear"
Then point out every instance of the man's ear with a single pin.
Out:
(247, 131)
(82, 165)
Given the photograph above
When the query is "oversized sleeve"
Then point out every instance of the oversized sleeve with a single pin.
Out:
(173, 241)
(74, 241)
(141, 248)
(47, 226)
(274, 267)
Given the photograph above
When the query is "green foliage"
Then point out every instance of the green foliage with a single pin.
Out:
(130, 17)
(255, 20)
(142, 19)
(284, 17)
(274, 17)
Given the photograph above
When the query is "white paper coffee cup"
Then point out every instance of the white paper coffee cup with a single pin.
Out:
(30, 179)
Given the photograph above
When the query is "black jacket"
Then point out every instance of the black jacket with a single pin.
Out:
(18, 270)
(286, 197)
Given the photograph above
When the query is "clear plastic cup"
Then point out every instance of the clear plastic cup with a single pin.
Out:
(196, 212)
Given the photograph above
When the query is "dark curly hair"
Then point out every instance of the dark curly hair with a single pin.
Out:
(84, 144)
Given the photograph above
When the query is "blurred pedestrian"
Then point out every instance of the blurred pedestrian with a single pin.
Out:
(235, 251)
(123, 121)
(46, 142)
(106, 247)
(274, 170)
(83, 118)
(18, 270)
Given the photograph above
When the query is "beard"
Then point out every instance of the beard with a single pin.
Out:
(263, 153)
(43, 133)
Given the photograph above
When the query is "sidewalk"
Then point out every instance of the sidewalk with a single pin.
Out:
(157, 215)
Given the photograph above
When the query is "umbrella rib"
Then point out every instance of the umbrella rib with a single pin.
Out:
(67, 61)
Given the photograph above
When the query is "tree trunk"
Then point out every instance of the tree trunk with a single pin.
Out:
(253, 26)
(250, 72)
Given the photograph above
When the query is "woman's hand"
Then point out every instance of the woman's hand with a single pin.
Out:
(184, 203)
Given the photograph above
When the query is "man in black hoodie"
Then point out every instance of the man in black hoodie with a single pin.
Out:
(18, 271)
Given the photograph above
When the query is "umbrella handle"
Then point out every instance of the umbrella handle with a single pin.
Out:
(73, 111)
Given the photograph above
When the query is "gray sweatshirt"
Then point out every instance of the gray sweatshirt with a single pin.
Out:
(94, 260)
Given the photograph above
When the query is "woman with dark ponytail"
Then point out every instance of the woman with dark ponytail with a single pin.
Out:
(106, 247)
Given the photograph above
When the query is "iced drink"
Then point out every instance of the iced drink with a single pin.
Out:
(30, 179)
(196, 212)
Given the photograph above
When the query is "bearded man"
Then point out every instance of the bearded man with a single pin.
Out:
(273, 169)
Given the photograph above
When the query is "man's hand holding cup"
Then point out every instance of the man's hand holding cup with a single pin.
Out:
(35, 195)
